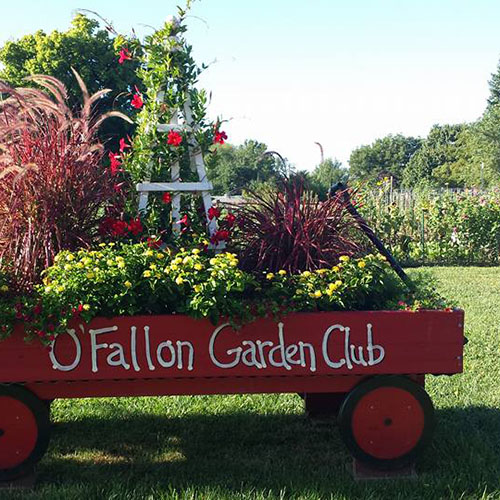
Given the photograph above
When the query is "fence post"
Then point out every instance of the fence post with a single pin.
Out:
(422, 235)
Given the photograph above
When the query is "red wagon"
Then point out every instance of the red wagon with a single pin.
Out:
(373, 362)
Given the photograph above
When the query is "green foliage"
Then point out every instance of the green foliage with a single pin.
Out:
(86, 48)
(325, 175)
(436, 227)
(233, 169)
(131, 279)
(386, 157)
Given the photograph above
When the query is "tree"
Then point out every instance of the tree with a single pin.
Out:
(437, 156)
(326, 174)
(235, 168)
(386, 157)
(87, 49)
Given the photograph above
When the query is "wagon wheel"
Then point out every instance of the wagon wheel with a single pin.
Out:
(24, 431)
(387, 421)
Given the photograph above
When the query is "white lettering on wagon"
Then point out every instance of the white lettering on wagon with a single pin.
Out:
(336, 348)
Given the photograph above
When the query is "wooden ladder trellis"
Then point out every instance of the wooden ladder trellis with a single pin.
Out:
(177, 186)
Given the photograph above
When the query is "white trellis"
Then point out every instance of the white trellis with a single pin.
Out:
(177, 187)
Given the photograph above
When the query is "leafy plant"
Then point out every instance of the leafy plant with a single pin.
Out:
(289, 229)
(53, 184)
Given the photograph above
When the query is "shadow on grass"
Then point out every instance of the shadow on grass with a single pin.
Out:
(239, 452)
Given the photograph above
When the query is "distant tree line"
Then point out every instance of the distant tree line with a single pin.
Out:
(457, 155)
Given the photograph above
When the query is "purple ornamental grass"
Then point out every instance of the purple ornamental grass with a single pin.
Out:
(53, 186)
(289, 228)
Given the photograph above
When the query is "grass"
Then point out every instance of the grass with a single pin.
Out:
(262, 447)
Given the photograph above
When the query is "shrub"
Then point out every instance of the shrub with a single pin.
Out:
(53, 185)
(289, 229)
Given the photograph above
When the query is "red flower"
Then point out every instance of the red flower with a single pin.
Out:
(114, 164)
(213, 212)
(166, 198)
(119, 228)
(40, 333)
(37, 309)
(137, 101)
(118, 187)
(123, 145)
(125, 55)
(220, 137)
(220, 235)
(184, 220)
(174, 138)
(154, 242)
(230, 218)
(52, 338)
(135, 226)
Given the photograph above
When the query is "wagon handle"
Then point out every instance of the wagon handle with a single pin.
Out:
(340, 189)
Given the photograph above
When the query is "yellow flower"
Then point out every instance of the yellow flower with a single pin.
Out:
(177, 260)
(86, 307)
(174, 267)
(332, 286)
(336, 269)
(48, 289)
(153, 267)
(70, 257)
(269, 276)
(4, 288)
(68, 267)
(344, 258)
(90, 275)
(361, 264)
(111, 244)
(187, 260)
(149, 253)
(87, 261)
(329, 292)
(213, 261)
(57, 258)
(121, 264)
(196, 251)
(128, 284)
(321, 271)
(282, 272)
(110, 262)
(60, 288)
(147, 274)
(317, 294)
(79, 265)
(160, 255)
(306, 274)
(102, 244)
(338, 283)
(119, 258)
(381, 257)
(179, 280)
(197, 288)
(198, 267)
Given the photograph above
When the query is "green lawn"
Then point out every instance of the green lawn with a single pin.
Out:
(263, 447)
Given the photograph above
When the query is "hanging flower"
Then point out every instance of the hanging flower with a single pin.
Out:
(137, 101)
(213, 212)
(125, 55)
(114, 163)
(184, 220)
(220, 137)
(135, 226)
(123, 145)
(174, 138)
(166, 198)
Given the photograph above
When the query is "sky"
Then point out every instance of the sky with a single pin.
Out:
(291, 73)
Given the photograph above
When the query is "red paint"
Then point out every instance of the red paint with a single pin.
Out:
(413, 343)
(18, 432)
(387, 423)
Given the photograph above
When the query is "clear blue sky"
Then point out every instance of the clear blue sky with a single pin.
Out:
(341, 72)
